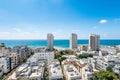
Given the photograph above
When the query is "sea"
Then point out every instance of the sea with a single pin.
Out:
(57, 43)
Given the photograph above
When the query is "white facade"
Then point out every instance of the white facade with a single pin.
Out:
(94, 42)
(33, 69)
(116, 69)
(87, 73)
(73, 41)
(86, 52)
(5, 62)
(107, 61)
(49, 56)
(28, 72)
(83, 47)
(50, 41)
(109, 49)
(71, 73)
(55, 70)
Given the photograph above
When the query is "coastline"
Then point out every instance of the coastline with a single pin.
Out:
(60, 44)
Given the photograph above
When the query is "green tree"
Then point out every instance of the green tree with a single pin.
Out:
(85, 55)
(109, 69)
(105, 75)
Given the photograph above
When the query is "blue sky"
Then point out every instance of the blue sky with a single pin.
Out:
(33, 19)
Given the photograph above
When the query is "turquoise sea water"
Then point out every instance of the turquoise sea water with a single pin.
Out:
(57, 43)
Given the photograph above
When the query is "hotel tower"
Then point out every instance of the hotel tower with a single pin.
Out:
(94, 42)
(50, 41)
(73, 41)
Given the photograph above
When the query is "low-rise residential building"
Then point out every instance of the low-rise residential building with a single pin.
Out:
(106, 61)
(109, 49)
(83, 47)
(49, 56)
(23, 52)
(71, 73)
(87, 73)
(40, 50)
(103, 53)
(29, 71)
(87, 52)
(85, 61)
(116, 69)
(70, 57)
(55, 70)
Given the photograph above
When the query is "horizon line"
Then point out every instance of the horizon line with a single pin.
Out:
(60, 39)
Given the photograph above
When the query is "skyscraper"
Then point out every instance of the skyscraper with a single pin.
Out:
(73, 41)
(94, 42)
(50, 41)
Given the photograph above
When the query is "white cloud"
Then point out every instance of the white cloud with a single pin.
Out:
(103, 21)
(17, 29)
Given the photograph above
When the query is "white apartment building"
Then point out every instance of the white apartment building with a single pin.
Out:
(55, 70)
(116, 69)
(83, 47)
(49, 56)
(87, 73)
(107, 61)
(109, 49)
(94, 42)
(86, 52)
(73, 41)
(28, 72)
(31, 70)
(70, 58)
(103, 53)
(5, 63)
(71, 73)
(85, 61)
(50, 41)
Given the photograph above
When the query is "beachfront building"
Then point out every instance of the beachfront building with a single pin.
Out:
(55, 70)
(50, 41)
(71, 73)
(94, 42)
(73, 41)
(5, 64)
